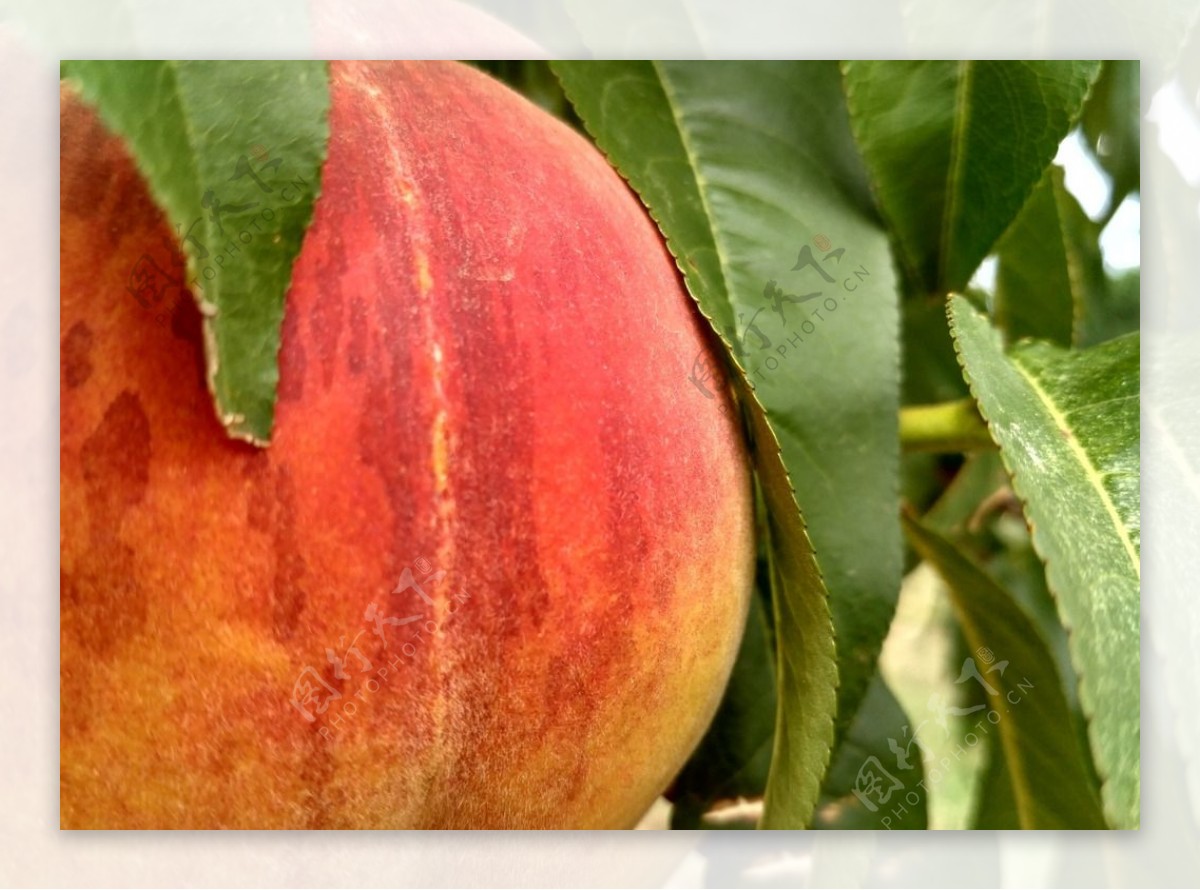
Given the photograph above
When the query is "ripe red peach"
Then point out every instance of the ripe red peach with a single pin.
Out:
(493, 568)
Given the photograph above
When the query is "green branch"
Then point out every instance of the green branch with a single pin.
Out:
(945, 427)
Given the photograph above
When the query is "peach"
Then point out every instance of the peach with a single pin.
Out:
(493, 568)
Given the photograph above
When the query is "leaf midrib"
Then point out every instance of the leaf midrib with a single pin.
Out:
(1092, 474)
(962, 106)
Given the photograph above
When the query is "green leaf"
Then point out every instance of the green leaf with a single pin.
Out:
(995, 807)
(232, 152)
(975, 514)
(1067, 426)
(1111, 123)
(806, 673)
(879, 743)
(750, 170)
(1017, 569)
(1025, 707)
(1050, 280)
(931, 371)
(955, 148)
(734, 756)
(1121, 311)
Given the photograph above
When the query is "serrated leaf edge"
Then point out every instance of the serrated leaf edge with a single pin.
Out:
(1087, 706)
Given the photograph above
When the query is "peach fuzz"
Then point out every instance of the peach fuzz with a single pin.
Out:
(483, 373)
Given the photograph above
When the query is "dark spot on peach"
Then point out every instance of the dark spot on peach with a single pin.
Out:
(83, 186)
(257, 473)
(290, 567)
(108, 186)
(188, 327)
(76, 355)
(271, 511)
(325, 317)
(293, 362)
(116, 459)
(109, 605)
(357, 345)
